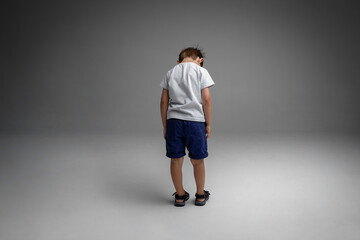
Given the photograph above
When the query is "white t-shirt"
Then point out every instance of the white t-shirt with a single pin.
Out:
(184, 82)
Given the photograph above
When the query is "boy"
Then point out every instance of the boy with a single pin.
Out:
(186, 120)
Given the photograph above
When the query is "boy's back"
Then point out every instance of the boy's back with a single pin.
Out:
(184, 83)
(185, 109)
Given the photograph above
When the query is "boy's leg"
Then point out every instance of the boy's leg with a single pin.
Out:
(199, 174)
(176, 175)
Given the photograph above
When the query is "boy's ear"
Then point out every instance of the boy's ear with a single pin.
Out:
(178, 62)
(200, 60)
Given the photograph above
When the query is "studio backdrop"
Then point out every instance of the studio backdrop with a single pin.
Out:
(278, 66)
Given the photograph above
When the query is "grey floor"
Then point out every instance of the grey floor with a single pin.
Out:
(94, 186)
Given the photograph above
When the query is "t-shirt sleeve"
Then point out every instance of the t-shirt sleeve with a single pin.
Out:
(206, 80)
(165, 82)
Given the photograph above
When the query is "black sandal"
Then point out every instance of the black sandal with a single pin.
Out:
(184, 197)
(201, 196)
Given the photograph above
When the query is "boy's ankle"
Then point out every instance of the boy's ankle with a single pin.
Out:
(201, 192)
(181, 193)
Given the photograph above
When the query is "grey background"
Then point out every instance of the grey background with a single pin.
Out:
(81, 148)
(279, 66)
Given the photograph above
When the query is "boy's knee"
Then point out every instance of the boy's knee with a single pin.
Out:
(196, 162)
(177, 160)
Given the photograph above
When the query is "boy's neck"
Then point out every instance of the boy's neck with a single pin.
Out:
(188, 59)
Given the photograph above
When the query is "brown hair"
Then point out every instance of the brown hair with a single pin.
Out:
(192, 52)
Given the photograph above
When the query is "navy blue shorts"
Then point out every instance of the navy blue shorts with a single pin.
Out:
(183, 133)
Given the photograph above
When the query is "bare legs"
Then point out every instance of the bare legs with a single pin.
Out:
(176, 174)
(199, 174)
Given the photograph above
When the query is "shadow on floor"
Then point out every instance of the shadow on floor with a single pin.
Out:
(142, 190)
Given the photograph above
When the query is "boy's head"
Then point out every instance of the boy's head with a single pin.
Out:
(193, 53)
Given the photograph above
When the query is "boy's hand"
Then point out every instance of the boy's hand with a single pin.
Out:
(208, 131)
(164, 132)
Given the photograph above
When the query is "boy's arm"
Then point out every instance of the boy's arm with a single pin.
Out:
(206, 102)
(164, 107)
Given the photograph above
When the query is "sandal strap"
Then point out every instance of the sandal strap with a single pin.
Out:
(179, 197)
(201, 196)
